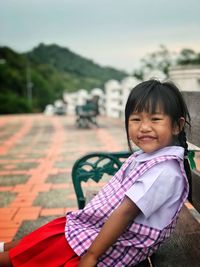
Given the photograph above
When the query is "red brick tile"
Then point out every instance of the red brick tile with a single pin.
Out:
(5, 232)
(2, 150)
(6, 217)
(27, 213)
(8, 211)
(5, 172)
(8, 225)
(22, 188)
(30, 210)
(19, 204)
(6, 188)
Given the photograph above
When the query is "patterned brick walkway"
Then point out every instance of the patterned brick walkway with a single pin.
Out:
(37, 153)
(36, 156)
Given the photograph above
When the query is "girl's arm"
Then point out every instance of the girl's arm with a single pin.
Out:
(110, 232)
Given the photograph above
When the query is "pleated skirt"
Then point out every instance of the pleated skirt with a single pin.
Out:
(46, 246)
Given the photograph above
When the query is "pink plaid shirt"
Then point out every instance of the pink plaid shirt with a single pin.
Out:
(138, 241)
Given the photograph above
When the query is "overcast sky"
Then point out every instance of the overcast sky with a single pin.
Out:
(114, 33)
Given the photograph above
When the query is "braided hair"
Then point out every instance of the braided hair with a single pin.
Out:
(183, 142)
(146, 96)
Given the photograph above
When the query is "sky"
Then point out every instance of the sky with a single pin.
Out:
(115, 33)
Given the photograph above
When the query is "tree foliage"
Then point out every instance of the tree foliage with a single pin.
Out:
(49, 70)
(188, 57)
(162, 60)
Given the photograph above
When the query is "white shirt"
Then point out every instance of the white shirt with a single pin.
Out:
(157, 192)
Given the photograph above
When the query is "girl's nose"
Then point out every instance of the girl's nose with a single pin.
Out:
(145, 126)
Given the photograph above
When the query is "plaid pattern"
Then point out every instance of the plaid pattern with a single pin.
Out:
(138, 241)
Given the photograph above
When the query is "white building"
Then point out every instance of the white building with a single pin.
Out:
(187, 78)
(127, 85)
(112, 98)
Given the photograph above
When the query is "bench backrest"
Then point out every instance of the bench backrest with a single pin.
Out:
(94, 166)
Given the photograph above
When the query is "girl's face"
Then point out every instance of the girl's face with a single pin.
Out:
(151, 132)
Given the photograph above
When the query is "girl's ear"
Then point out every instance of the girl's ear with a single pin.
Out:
(178, 127)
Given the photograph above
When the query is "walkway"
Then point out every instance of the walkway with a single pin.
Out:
(36, 157)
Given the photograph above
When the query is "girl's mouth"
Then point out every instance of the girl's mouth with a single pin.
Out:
(146, 138)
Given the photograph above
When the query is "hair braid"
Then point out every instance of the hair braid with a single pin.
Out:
(183, 142)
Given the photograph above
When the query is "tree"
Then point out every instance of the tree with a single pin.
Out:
(52, 70)
(188, 57)
(160, 60)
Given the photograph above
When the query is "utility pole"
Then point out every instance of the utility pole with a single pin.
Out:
(29, 84)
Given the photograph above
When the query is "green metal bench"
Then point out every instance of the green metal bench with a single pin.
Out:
(94, 166)
(86, 115)
(183, 247)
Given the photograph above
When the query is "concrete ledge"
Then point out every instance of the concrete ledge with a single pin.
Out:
(196, 189)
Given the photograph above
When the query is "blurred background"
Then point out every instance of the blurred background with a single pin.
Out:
(52, 47)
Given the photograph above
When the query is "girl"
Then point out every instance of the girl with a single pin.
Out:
(138, 208)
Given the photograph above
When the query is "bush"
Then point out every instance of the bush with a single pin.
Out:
(11, 103)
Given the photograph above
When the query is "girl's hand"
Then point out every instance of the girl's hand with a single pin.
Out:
(87, 261)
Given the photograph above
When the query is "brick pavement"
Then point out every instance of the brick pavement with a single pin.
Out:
(37, 153)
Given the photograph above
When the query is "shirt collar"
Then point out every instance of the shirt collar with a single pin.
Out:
(166, 151)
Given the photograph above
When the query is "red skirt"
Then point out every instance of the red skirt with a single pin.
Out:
(46, 246)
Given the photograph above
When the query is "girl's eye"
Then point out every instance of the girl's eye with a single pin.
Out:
(156, 118)
(134, 119)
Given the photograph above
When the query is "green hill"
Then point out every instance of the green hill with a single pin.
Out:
(63, 60)
(49, 70)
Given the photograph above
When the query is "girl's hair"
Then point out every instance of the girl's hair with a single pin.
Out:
(150, 95)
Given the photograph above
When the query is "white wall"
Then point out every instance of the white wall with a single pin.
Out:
(187, 78)
(112, 98)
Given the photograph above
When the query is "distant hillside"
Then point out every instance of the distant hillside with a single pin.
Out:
(48, 70)
(63, 60)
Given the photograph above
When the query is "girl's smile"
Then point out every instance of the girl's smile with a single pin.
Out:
(146, 138)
